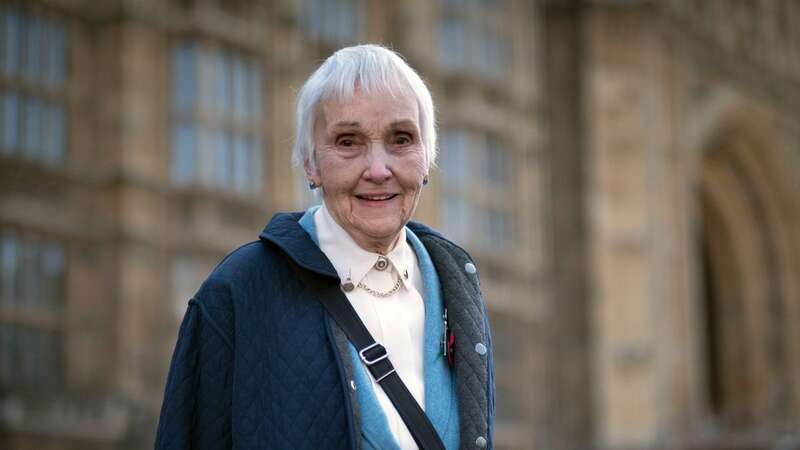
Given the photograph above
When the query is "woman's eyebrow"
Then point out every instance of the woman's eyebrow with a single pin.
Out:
(346, 124)
(406, 123)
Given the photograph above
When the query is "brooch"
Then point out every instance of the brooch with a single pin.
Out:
(448, 341)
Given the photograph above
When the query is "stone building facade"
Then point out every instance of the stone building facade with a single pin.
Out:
(626, 173)
(171, 126)
(674, 139)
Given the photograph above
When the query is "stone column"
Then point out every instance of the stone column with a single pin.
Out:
(568, 420)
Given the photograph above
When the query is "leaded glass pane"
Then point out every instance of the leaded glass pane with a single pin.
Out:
(314, 17)
(256, 166)
(345, 23)
(240, 90)
(9, 263)
(222, 83)
(54, 138)
(29, 344)
(456, 217)
(222, 159)
(51, 363)
(32, 57)
(498, 225)
(495, 164)
(29, 272)
(205, 76)
(337, 21)
(9, 123)
(11, 39)
(454, 158)
(205, 156)
(32, 137)
(185, 78)
(254, 82)
(52, 267)
(55, 55)
(184, 164)
(241, 162)
(451, 42)
(7, 354)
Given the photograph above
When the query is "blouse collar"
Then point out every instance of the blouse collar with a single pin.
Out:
(350, 260)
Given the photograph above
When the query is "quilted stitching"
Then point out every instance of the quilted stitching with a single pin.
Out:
(469, 324)
(291, 396)
(254, 365)
(197, 389)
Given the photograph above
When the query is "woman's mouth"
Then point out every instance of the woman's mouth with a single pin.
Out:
(376, 197)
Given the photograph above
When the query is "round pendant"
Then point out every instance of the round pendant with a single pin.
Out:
(382, 263)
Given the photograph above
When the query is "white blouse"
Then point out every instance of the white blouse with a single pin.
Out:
(397, 321)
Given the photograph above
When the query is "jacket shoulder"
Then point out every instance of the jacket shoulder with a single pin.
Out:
(235, 277)
(243, 261)
(429, 235)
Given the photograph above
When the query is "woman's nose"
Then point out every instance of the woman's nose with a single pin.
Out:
(377, 164)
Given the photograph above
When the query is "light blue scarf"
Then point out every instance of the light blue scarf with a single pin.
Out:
(441, 403)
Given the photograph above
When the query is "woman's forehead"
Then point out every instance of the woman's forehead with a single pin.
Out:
(362, 110)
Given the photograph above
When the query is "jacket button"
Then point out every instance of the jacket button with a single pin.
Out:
(470, 268)
(480, 349)
(353, 384)
(480, 442)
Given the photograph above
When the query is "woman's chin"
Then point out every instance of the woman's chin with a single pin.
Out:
(383, 231)
(379, 216)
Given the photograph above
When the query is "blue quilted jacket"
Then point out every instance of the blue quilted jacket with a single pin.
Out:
(260, 365)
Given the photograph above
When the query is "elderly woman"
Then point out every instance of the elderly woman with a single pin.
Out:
(347, 326)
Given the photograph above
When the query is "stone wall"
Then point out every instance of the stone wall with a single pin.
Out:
(659, 82)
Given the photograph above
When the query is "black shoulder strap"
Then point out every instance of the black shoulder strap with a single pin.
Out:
(374, 356)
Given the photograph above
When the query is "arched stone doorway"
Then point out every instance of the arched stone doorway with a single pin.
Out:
(748, 251)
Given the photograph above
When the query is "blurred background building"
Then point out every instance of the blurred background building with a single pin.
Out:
(626, 173)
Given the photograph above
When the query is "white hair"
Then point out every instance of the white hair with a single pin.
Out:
(372, 69)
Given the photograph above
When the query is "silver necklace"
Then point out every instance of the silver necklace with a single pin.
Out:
(379, 294)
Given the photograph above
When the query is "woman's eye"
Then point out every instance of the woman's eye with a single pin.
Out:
(403, 139)
(345, 141)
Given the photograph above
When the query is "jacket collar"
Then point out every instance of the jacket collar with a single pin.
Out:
(285, 231)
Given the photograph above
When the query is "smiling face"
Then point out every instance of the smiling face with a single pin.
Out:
(370, 162)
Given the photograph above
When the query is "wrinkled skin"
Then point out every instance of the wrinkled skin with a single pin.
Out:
(370, 163)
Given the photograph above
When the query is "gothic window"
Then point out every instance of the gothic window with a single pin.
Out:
(32, 271)
(217, 118)
(494, 171)
(32, 86)
(472, 37)
(338, 22)
(454, 162)
(477, 185)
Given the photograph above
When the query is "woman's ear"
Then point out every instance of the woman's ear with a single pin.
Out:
(312, 174)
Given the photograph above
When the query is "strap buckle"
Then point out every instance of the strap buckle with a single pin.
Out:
(380, 356)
